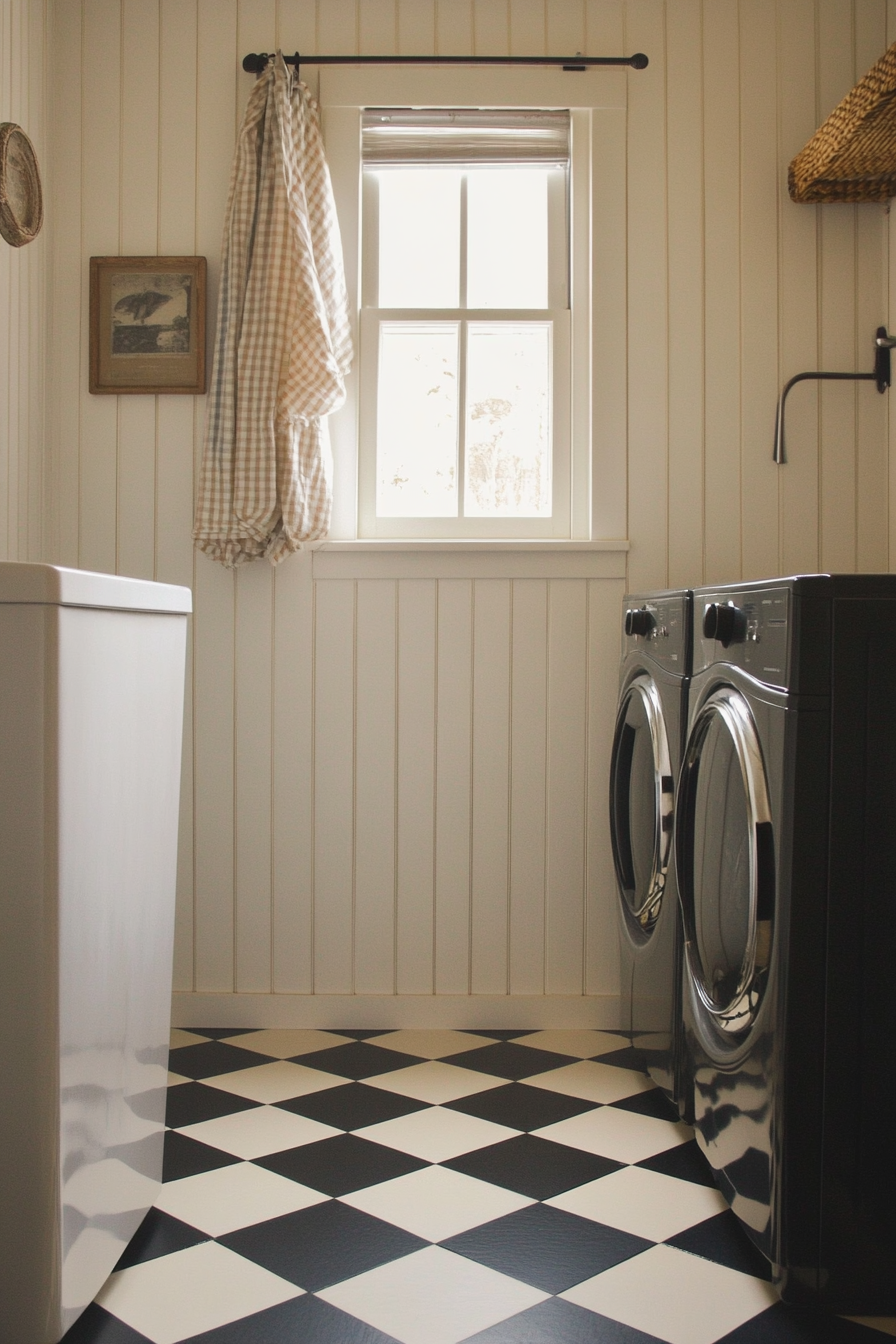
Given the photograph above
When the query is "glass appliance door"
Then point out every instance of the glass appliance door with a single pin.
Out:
(641, 806)
(725, 862)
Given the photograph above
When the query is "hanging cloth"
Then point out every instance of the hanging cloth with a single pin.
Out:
(283, 343)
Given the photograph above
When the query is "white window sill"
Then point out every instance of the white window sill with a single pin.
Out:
(416, 559)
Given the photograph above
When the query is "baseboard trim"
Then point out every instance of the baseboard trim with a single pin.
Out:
(360, 1011)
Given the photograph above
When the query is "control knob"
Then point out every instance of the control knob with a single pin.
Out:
(639, 621)
(724, 622)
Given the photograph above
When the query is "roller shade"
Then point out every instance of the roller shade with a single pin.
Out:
(413, 137)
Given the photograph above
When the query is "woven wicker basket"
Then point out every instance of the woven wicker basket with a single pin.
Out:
(852, 155)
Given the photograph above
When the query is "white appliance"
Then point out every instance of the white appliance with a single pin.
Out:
(91, 714)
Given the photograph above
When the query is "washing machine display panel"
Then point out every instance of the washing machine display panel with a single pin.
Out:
(726, 862)
(642, 797)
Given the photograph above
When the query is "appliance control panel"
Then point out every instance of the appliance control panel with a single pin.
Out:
(657, 625)
(748, 629)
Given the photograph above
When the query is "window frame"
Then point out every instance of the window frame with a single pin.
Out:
(370, 320)
(596, 100)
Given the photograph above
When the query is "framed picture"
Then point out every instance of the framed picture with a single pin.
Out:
(147, 324)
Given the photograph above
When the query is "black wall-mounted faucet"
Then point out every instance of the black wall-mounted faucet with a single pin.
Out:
(883, 344)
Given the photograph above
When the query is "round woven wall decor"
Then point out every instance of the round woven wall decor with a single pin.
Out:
(21, 199)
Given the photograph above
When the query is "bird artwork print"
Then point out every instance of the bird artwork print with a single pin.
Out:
(142, 306)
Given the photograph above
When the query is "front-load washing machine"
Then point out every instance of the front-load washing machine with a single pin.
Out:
(785, 859)
(647, 744)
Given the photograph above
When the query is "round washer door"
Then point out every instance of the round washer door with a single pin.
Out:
(725, 862)
(641, 806)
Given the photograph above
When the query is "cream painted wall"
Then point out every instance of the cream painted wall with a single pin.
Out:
(394, 784)
(23, 50)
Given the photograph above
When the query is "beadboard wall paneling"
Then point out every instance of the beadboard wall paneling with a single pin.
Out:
(23, 295)
(394, 784)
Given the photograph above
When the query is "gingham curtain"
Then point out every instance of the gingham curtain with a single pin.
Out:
(283, 343)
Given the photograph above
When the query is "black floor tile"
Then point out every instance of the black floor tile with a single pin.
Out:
(219, 1033)
(340, 1165)
(535, 1167)
(559, 1322)
(358, 1060)
(723, 1240)
(794, 1325)
(352, 1106)
(188, 1157)
(521, 1107)
(188, 1103)
(654, 1103)
(303, 1320)
(501, 1033)
(96, 1326)
(213, 1057)
(362, 1035)
(323, 1245)
(546, 1247)
(159, 1234)
(685, 1161)
(508, 1060)
(624, 1058)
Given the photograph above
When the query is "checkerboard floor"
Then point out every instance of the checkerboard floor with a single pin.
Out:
(432, 1187)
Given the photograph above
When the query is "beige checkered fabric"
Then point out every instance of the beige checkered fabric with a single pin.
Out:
(283, 343)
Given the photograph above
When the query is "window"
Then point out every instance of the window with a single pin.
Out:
(465, 322)
(510, 375)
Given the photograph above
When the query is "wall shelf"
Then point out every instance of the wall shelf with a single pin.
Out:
(852, 155)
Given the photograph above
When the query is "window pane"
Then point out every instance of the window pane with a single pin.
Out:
(417, 420)
(419, 224)
(508, 420)
(507, 238)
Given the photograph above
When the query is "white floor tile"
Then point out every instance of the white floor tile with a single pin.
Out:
(274, 1082)
(436, 1202)
(435, 1082)
(622, 1135)
(432, 1297)
(175, 1079)
(220, 1201)
(255, 1133)
(433, 1044)
(677, 1297)
(436, 1134)
(582, 1043)
(592, 1081)
(645, 1203)
(180, 1037)
(184, 1294)
(284, 1043)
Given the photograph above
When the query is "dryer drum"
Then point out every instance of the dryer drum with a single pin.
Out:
(641, 805)
(725, 862)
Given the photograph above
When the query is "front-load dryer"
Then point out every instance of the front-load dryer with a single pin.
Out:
(647, 744)
(785, 861)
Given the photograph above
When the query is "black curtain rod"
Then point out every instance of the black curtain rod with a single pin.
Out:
(255, 62)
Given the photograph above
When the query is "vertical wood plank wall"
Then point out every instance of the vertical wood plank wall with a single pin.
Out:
(395, 786)
(23, 295)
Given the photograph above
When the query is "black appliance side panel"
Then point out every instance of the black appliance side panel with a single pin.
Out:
(858, 1245)
(802, 951)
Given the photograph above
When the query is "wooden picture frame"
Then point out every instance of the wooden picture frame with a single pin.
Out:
(130, 353)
